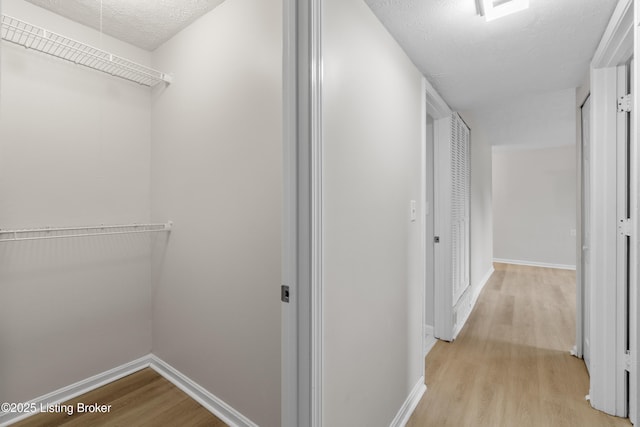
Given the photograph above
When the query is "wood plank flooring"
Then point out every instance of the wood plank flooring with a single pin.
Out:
(510, 365)
(142, 399)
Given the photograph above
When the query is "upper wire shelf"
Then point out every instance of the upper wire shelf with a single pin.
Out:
(68, 232)
(45, 41)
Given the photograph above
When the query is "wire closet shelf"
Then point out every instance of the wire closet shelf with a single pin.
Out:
(45, 41)
(68, 232)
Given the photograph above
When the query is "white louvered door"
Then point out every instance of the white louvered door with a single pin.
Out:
(452, 247)
(459, 208)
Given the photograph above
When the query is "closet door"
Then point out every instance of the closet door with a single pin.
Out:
(459, 208)
(452, 195)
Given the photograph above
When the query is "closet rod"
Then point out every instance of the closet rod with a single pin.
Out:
(32, 37)
(45, 233)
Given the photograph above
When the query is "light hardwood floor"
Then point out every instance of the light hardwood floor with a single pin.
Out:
(140, 399)
(510, 365)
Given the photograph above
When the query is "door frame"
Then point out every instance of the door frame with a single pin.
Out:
(607, 385)
(302, 236)
(438, 109)
(579, 349)
(634, 254)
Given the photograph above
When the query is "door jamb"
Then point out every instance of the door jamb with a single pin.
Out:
(578, 348)
(441, 114)
(615, 48)
(438, 109)
(302, 317)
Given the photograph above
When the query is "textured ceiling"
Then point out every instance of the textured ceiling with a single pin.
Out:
(473, 63)
(143, 23)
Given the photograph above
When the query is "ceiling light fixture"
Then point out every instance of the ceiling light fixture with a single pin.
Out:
(494, 9)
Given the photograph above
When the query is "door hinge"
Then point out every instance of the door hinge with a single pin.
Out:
(627, 360)
(624, 227)
(284, 293)
(625, 103)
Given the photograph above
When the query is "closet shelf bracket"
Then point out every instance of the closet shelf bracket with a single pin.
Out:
(32, 37)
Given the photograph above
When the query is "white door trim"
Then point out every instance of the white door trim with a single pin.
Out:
(607, 388)
(634, 260)
(438, 109)
(583, 149)
(634, 254)
(578, 349)
(316, 207)
(302, 317)
(622, 255)
(616, 46)
(424, 239)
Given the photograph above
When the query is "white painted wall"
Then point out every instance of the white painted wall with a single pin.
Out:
(74, 150)
(373, 278)
(216, 172)
(534, 205)
(544, 120)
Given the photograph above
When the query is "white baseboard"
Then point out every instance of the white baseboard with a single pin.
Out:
(535, 264)
(428, 330)
(77, 389)
(212, 403)
(409, 405)
(198, 393)
(481, 285)
(475, 294)
(429, 339)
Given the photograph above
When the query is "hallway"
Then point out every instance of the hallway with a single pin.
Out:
(510, 365)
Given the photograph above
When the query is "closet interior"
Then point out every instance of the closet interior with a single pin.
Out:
(141, 200)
